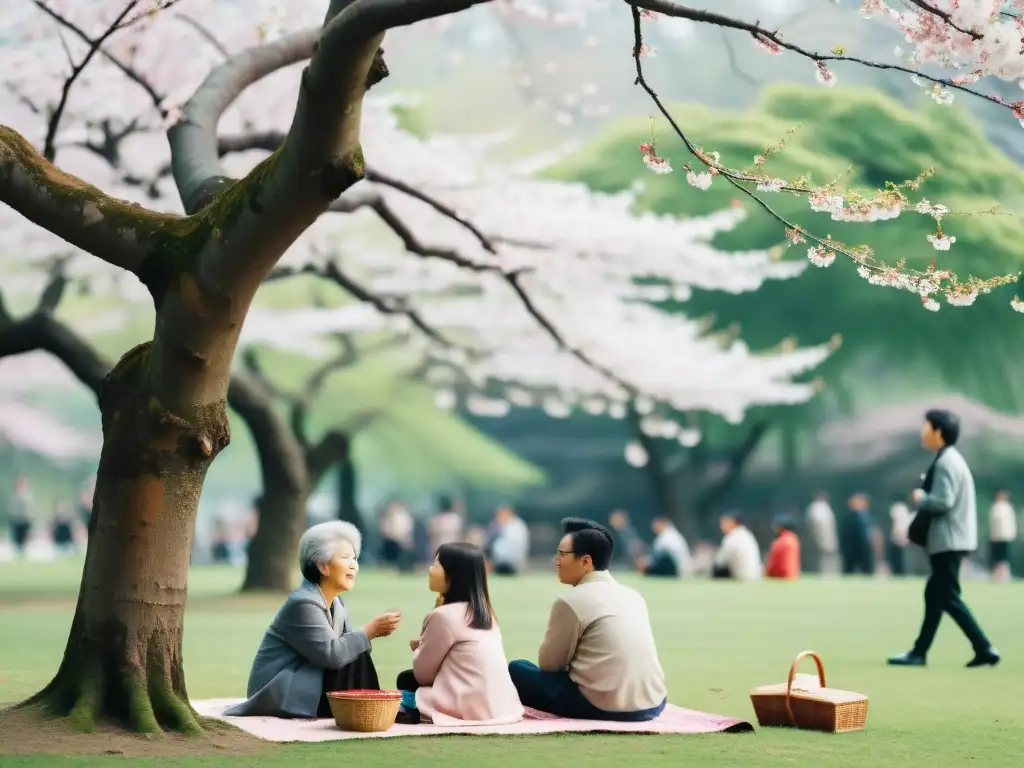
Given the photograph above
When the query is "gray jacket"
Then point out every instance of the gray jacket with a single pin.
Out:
(302, 641)
(952, 504)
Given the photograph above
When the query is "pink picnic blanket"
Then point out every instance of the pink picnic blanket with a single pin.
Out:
(673, 720)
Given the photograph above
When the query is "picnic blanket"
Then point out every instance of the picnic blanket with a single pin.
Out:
(674, 720)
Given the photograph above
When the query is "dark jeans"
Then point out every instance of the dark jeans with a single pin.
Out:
(661, 564)
(557, 694)
(19, 534)
(942, 595)
(895, 555)
(358, 675)
(505, 569)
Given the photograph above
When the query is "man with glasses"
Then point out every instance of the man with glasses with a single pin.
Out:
(598, 660)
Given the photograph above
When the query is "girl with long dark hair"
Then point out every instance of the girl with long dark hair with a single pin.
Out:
(459, 672)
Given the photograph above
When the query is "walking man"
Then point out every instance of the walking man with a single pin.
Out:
(947, 497)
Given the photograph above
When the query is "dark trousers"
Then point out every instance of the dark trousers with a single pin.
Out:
(505, 569)
(661, 564)
(358, 675)
(895, 555)
(19, 534)
(407, 681)
(942, 595)
(557, 694)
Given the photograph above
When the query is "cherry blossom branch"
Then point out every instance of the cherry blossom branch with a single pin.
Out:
(96, 44)
(929, 8)
(884, 204)
(204, 33)
(49, 148)
(388, 305)
(772, 39)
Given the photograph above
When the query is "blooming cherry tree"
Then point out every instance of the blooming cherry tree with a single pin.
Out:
(163, 404)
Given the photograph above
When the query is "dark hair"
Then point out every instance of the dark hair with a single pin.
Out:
(734, 516)
(785, 523)
(466, 570)
(946, 423)
(590, 538)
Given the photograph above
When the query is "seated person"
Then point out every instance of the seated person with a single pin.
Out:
(784, 556)
(739, 556)
(670, 554)
(310, 647)
(598, 660)
(511, 546)
(459, 672)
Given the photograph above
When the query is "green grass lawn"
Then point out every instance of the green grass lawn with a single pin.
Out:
(716, 642)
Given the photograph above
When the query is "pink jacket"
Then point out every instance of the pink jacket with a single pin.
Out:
(463, 672)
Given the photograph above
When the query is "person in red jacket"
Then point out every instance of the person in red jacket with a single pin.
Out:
(783, 560)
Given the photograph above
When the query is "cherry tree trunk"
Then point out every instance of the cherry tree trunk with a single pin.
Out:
(272, 565)
(348, 487)
(123, 659)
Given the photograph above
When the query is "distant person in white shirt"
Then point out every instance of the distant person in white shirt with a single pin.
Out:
(670, 554)
(821, 521)
(1002, 532)
(511, 546)
(446, 526)
(739, 556)
(396, 533)
(896, 546)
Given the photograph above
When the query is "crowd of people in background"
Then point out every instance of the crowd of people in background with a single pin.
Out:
(850, 543)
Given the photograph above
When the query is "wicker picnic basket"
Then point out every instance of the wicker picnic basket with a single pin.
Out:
(808, 706)
(364, 711)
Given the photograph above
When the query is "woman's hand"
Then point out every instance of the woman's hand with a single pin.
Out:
(382, 625)
(414, 644)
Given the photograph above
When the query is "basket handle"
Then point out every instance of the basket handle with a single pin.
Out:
(792, 673)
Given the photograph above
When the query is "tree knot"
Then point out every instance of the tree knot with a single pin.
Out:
(338, 175)
(378, 69)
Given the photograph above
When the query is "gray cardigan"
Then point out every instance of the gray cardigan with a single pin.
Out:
(302, 641)
(952, 505)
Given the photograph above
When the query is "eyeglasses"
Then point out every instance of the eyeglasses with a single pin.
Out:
(563, 552)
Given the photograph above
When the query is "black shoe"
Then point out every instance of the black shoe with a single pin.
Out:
(408, 717)
(987, 658)
(908, 659)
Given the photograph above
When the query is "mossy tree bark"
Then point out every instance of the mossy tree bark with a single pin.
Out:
(123, 658)
(164, 403)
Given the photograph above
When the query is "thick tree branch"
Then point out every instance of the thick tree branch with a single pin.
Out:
(736, 461)
(282, 459)
(116, 231)
(194, 154)
(40, 330)
(332, 448)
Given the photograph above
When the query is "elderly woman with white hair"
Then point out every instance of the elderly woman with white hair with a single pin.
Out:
(310, 647)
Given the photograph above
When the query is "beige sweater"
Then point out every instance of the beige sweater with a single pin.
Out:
(600, 632)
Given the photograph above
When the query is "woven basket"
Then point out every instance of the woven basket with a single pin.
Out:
(364, 711)
(812, 708)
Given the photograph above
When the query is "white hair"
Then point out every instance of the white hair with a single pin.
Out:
(319, 544)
